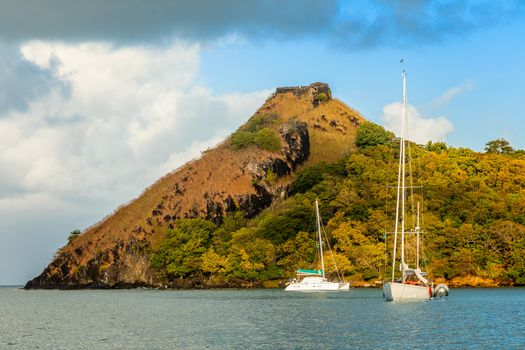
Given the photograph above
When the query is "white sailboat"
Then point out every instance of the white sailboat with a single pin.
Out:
(315, 280)
(412, 284)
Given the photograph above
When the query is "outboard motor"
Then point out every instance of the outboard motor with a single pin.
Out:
(441, 290)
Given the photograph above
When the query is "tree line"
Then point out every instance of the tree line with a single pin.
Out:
(473, 207)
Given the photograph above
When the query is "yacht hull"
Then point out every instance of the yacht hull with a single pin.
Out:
(401, 291)
(317, 287)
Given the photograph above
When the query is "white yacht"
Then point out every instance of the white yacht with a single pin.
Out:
(315, 280)
(411, 283)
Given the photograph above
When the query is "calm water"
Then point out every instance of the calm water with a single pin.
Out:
(258, 319)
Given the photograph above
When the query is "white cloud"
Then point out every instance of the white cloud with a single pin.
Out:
(129, 110)
(451, 93)
(420, 129)
(129, 115)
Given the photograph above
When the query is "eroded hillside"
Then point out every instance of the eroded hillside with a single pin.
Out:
(296, 127)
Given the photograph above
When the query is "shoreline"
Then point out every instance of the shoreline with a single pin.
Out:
(236, 288)
(267, 285)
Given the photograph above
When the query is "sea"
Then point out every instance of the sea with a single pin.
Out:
(259, 319)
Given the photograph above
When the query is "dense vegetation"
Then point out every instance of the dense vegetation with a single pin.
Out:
(473, 207)
(258, 132)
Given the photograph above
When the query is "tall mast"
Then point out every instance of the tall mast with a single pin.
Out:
(403, 187)
(400, 201)
(417, 237)
(319, 233)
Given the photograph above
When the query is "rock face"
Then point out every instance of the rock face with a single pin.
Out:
(125, 266)
(311, 91)
(114, 253)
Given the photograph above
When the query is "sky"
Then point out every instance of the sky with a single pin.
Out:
(98, 99)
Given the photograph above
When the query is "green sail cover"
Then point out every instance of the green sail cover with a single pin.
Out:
(310, 272)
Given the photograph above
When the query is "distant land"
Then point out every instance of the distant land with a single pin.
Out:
(242, 214)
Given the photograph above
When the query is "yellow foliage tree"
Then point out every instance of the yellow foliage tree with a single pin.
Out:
(360, 250)
(212, 262)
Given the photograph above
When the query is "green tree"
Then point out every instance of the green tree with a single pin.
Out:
(72, 235)
(437, 147)
(259, 121)
(362, 252)
(370, 134)
(256, 131)
(499, 146)
(311, 176)
(179, 253)
(242, 139)
(297, 252)
(267, 139)
(279, 226)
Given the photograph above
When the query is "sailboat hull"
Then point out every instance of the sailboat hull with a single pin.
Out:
(316, 285)
(401, 291)
(316, 281)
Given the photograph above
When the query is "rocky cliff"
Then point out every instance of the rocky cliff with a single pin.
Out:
(114, 253)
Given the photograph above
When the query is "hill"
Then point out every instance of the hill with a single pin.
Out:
(473, 221)
(242, 215)
(296, 127)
